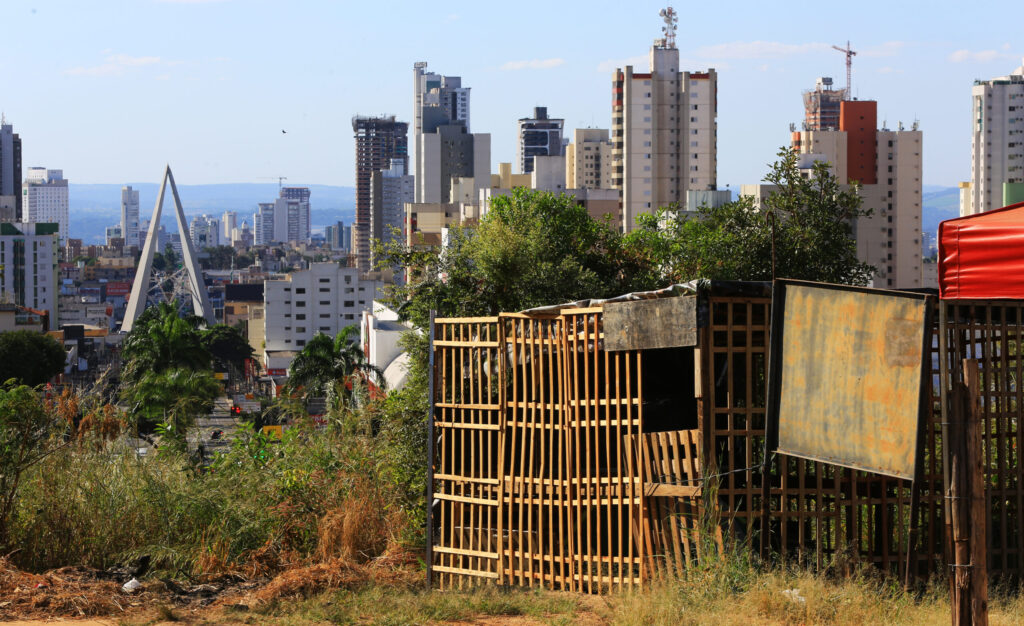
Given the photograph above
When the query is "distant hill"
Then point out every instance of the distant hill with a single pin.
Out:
(94, 207)
(938, 204)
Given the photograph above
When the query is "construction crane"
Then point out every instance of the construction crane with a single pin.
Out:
(280, 180)
(849, 66)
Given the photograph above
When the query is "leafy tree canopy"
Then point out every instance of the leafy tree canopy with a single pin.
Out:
(328, 365)
(806, 220)
(163, 339)
(532, 248)
(227, 346)
(29, 357)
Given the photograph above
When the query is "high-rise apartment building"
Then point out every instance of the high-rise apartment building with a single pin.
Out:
(887, 164)
(228, 224)
(130, 217)
(379, 140)
(588, 160)
(390, 191)
(450, 152)
(263, 224)
(997, 144)
(294, 203)
(821, 105)
(538, 136)
(664, 133)
(10, 173)
(44, 199)
(338, 236)
(29, 255)
(437, 100)
(285, 219)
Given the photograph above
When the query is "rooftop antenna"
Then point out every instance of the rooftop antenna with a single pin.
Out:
(671, 23)
(849, 65)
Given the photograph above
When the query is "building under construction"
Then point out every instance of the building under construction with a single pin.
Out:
(378, 141)
(821, 106)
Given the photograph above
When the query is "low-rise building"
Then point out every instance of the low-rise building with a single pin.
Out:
(323, 299)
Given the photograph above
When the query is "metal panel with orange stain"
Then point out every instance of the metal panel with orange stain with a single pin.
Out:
(849, 375)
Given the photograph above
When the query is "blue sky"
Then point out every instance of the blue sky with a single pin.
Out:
(111, 90)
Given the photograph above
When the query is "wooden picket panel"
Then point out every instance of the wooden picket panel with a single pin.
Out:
(468, 448)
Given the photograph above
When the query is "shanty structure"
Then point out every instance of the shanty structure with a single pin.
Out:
(592, 446)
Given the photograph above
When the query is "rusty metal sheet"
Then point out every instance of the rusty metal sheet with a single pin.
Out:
(848, 375)
(646, 324)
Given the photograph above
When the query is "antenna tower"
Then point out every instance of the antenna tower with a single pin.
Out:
(671, 24)
(849, 66)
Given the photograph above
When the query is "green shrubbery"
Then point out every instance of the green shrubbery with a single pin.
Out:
(257, 509)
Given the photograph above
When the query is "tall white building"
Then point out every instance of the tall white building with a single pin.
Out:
(588, 160)
(44, 198)
(29, 275)
(997, 144)
(205, 232)
(130, 217)
(228, 224)
(285, 219)
(437, 101)
(664, 133)
(888, 165)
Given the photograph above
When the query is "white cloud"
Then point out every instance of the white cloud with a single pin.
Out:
(114, 65)
(533, 64)
(758, 49)
(612, 64)
(979, 56)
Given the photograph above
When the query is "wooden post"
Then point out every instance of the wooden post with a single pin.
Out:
(969, 579)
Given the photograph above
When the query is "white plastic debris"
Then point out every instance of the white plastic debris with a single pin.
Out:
(794, 595)
(131, 585)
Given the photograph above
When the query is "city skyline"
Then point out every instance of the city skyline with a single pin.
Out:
(110, 95)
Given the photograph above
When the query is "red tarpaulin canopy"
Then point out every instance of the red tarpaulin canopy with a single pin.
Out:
(982, 256)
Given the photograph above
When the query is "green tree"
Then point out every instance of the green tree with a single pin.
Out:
(173, 398)
(802, 231)
(163, 339)
(29, 357)
(227, 346)
(332, 366)
(26, 430)
(160, 341)
(532, 248)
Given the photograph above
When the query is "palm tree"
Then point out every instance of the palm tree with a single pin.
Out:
(173, 397)
(162, 339)
(333, 365)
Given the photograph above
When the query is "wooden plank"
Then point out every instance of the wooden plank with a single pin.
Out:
(671, 491)
(647, 324)
(463, 571)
